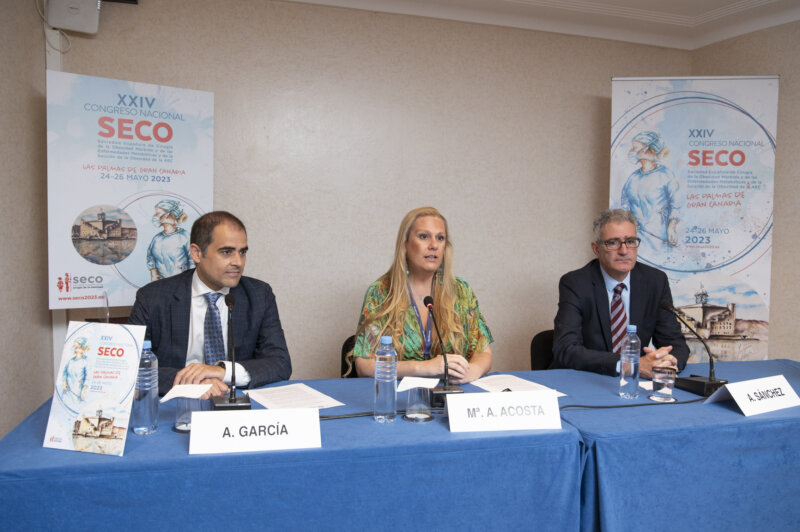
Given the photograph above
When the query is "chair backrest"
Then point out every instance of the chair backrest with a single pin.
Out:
(542, 350)
(348, 366)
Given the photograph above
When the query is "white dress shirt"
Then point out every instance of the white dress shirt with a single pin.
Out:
(611, 284)
(196, 330)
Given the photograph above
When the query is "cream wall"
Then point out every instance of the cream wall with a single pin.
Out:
(332, 123)
(26, 367)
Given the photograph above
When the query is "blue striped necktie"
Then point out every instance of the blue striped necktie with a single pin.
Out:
(213, 343)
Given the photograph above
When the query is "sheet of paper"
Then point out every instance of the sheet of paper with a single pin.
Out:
(292, 396)
(646, 385)
(500, 383)
(191, 391)
(417, 382)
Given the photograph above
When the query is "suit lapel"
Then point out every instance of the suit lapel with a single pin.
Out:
(637, 297)
(239, 313)
(602, 304)
(180, 313)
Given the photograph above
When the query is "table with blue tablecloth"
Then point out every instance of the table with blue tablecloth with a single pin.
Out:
(367, 475)
(682, 467)
(664, 467)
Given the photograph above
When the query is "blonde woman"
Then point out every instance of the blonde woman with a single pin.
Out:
(393, 306)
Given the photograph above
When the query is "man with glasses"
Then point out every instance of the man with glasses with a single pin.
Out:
(598, 301)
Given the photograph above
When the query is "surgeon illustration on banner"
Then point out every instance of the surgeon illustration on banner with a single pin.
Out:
(168, 253)
(75, 374)
(651, 192)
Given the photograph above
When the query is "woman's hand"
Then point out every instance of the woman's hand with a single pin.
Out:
(461, 371)
(458, 367)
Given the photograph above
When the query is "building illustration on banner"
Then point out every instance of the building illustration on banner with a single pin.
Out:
(108, 235)
(710, 321)
(104, 234)
(730, 337)
(98, 434)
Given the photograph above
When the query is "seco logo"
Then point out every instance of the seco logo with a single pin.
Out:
(68, 282)
(63, 283)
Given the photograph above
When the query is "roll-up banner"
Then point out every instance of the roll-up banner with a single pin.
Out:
(129, 168)
(694, 160)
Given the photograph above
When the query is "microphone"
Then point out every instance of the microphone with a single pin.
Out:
(440, 391)
(696, 384)
(232, 402)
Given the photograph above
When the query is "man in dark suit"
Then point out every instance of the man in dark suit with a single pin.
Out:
(583, 336)
(177, 310)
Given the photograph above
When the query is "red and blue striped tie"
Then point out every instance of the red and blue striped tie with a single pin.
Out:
(619, 320)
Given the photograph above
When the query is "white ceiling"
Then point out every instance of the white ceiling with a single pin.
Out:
(685, 24)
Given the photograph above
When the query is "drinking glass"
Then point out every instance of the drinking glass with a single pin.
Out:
(418, 406)
(663, 384)
(185, 407)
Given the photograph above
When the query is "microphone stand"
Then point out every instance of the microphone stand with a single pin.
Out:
(696, 384)
(439, 392)
(232, 402)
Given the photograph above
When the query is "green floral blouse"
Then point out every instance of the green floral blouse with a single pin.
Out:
(477, 333)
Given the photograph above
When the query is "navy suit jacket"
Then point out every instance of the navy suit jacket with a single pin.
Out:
(582, 336)
(164, 306)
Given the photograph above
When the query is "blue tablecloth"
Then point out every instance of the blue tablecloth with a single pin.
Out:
(684, 466)
(664, 467)
(365, 476)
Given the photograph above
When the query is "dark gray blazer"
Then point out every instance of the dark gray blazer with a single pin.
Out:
(582, 337)
(164, 307)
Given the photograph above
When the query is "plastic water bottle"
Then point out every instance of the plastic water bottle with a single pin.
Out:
(629, 364)
(145, 399)
(385, 382)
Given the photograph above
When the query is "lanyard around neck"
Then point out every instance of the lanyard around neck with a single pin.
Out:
(424, 331)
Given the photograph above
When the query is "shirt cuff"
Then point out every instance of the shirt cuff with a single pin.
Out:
(242, 375)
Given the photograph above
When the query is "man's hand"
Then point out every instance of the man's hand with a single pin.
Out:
(660, 357)
(218, 388)
(197, 373)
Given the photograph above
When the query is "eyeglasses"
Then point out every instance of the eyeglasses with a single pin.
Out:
(614, 244)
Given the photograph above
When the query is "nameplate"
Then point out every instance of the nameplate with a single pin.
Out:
(239, 431)
(758, 396)
(478, 412)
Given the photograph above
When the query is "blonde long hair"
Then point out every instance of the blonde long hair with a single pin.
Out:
(397, 299)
